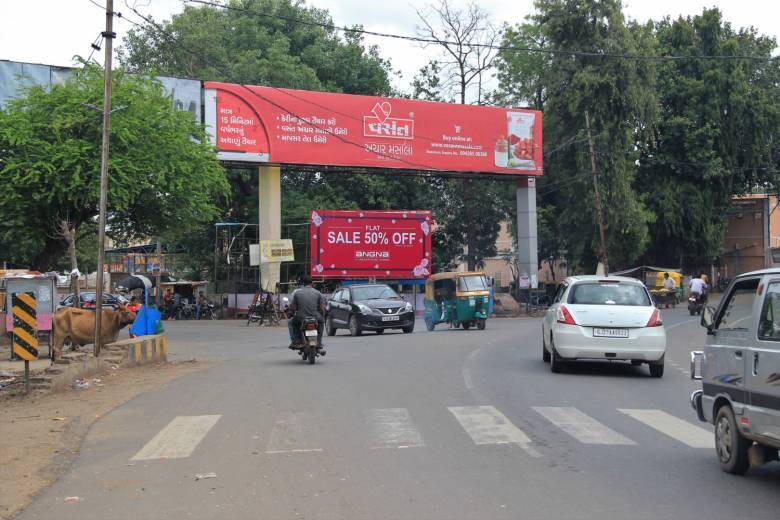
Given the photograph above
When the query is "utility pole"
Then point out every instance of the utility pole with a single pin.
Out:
(109, 37)
(159, 272)
(603, 257)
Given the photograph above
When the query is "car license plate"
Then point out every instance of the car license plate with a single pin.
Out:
(311, 333)
(391, 318)
(610, 333)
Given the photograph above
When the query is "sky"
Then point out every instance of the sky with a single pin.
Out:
(53, 31)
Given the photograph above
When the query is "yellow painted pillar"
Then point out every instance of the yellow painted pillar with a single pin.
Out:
(270, 198)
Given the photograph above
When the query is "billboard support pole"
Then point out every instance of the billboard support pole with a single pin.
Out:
(526, 230)
(270, 217)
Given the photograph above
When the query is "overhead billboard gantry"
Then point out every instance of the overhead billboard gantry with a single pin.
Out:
(274, 126)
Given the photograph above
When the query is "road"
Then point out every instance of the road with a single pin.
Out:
(449, 424)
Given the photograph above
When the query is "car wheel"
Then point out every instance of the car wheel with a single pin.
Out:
(731, 446)
(409, 329)
(354, 327)
(657, 368)
(556, 363)
(545, 354)
(329, 328)
(429, 324)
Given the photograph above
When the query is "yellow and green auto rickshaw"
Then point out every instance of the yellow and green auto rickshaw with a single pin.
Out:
(457, 298)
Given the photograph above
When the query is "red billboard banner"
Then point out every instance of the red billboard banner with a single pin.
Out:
(371, 244)
(268, 124)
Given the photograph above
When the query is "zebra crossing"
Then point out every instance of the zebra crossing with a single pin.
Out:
(396, 428)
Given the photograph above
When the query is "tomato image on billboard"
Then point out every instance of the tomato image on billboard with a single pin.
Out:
(371, 244)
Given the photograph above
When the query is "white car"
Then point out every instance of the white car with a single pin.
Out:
(603, 317)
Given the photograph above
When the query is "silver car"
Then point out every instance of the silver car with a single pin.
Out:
(740, 371)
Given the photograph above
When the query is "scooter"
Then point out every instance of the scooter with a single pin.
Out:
(310, 348)
(696, 303)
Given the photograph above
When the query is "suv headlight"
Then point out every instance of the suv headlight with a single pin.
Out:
(364, 309)
(408, 307)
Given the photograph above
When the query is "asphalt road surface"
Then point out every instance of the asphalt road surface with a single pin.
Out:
(449, 424)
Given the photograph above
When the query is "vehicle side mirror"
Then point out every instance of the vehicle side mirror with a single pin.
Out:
(708, 319)
(697, 358)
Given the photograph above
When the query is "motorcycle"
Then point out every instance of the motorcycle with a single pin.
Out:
(185, 312)
(208, 312)
(255, 315)
(696, 303)
(310, 348)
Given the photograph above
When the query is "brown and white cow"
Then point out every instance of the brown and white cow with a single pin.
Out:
(79, 326)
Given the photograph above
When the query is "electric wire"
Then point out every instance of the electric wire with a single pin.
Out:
(507, 48)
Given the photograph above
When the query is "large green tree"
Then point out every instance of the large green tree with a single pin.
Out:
(619, 96)
(163, 174)
(716, 134)
(279, 43)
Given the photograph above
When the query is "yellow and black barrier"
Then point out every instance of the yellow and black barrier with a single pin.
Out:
(25, 343)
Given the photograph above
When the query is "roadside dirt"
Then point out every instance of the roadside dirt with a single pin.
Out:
(41, 436)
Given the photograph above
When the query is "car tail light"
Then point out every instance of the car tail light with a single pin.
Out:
(655, 320)
(564, 316)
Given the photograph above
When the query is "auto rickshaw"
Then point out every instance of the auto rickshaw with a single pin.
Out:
(462, 299)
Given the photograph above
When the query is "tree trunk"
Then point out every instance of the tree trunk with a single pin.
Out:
(69, 233)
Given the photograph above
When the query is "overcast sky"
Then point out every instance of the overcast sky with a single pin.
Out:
(53, 31)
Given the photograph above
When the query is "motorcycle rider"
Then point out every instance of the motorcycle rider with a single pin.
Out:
(308, 303)
(291, 330)
(698, 288)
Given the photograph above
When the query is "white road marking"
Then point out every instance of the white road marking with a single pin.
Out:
(679, 429)
(670, 327)
(486, 425)
(294, 432)
(582, 427)
(295, 451)
(179, 439)
(392, 428)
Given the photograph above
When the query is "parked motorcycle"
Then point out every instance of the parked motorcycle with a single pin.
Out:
(185, 312)
(696, 303)
(254, 315)
(310, 348)
(208, 312)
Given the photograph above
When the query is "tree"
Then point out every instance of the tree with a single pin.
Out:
(258, 42)
(466, 39)
(619, 95)
(163, 173)
(716, 135)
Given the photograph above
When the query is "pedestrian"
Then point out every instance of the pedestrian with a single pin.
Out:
(670, 286)
(200, 304)
(134, 304)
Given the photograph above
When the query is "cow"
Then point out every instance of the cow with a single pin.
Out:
(78, 325)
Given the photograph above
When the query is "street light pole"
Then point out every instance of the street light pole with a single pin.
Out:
(109, 37)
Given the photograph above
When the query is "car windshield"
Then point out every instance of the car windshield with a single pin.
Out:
(374, 292)
(472, 283)
(611, 293)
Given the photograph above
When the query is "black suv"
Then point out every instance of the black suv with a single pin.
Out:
(368, 307)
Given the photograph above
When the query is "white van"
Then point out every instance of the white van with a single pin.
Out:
(740, 371)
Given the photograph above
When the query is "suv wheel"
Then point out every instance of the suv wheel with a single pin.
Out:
(731, 446)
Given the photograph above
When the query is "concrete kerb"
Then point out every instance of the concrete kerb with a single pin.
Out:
(71, 366)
